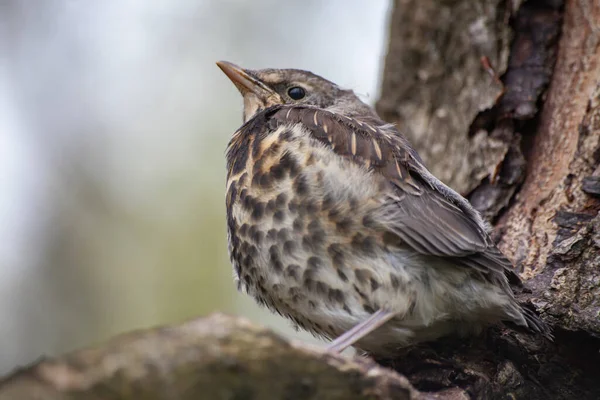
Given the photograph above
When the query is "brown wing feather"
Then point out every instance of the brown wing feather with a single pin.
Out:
(426, 214)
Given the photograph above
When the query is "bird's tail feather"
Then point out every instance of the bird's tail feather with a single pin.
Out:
(534, 323)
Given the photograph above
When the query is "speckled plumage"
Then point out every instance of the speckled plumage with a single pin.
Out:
(333, 218)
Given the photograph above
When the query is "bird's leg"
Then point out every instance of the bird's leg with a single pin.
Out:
(360, 330)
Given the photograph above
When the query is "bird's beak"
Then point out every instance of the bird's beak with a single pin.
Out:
(244, 82)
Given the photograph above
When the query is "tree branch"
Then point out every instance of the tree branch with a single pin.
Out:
(218, 357)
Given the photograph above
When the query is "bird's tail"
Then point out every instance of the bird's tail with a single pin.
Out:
(534, 323)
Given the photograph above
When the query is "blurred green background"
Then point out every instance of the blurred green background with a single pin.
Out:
(113, 124)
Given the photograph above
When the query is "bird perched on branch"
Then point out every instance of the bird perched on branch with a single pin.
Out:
(335, 223)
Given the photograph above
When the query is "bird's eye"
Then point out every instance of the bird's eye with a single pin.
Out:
(296, 93)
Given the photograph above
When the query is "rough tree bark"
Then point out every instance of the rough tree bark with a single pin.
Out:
(502, 100)
(523, 143)
(215, 358)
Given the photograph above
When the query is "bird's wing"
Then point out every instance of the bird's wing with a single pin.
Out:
(423, 212)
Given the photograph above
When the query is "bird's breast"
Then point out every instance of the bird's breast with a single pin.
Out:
(303, 233)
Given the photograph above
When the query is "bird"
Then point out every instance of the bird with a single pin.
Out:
(334, 222)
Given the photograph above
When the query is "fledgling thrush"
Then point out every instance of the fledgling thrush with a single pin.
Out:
(335, 223)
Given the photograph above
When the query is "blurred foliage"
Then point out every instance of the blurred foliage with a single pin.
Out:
(113, 124)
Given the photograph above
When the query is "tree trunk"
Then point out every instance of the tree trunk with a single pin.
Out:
(502, 101)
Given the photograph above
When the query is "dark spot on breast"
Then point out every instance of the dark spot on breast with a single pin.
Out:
(243, 230)
(283, 234)
(298, 224)
(347, 309)
(286, 136)
(261, 289)
(280, 200)
(368, 309)
(318, 238)
(321, 288)
(370, 245)
(247, 279)
(307, 282)
(293, 271)
(312, 304)
(369, 222)
(334, 249)
(424, 278)
(277, 266)
(362, 275)
(314, 262)
(309, 274)
(395, 281)
(289, 163)
(374, 284)
(272, 234)
(344, 226)
(327, 202)
(300, 185)
(290, 247)
(233, 255)
(307, 243)
(308, 207)
(258, 211)
(353, 203)
(274, 253)
(257, 236)
(335, 295)
(270, 207)
(342, 275)
(252, 251)
(248, 263)
(278, 216)
(277, 172)
(365, 244)
(252, 230)
(293, 206)
(360, 293)
(248, 203)
(334, 214)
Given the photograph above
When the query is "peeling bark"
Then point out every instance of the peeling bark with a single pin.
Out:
(541, 187)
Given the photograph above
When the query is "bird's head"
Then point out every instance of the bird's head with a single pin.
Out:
(269, 87)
